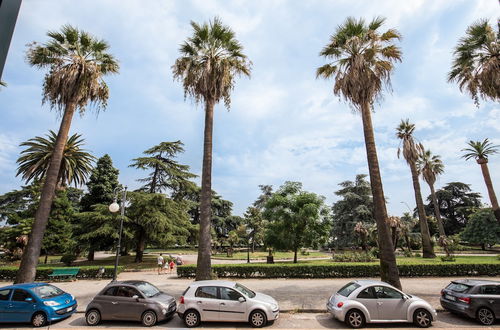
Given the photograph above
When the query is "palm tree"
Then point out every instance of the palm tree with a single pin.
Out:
(476, 64)
(411, 150)
(430, 166)
(3, 83)
(76, 63)
(480, 151)
(363, 60)
(34, 161)
(210, 60)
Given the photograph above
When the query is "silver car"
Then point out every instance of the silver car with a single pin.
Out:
(225, 301)
(361, 302)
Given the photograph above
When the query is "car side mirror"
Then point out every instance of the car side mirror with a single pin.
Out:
(29, 299)
(404, 297)
(241, 299)
(136, 297)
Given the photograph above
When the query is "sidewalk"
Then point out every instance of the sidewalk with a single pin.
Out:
(293, 295)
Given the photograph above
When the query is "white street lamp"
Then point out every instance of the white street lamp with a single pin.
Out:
(113, 208)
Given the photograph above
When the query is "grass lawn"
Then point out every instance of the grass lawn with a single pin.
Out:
(263, 254)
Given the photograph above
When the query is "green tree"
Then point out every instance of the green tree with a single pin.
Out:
(34, 161)
(77, 63)
(456, 203)
(481, 151)
(156, 219)
(167, 174)
(101, 185)
(355, 205)
(297, 219)
(411, 150)
(476, 62)
(482, 229)
(255, 222)
(363, 60)
(210, 60)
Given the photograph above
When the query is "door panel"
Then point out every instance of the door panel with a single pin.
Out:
(206, 299)
(391, 305)
(4, 302)
(231, 309)
(367, 298)
(124, 307)
(18, 309)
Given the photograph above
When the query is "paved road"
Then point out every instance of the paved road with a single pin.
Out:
(286, 321)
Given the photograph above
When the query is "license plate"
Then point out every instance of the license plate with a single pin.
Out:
(450, 297)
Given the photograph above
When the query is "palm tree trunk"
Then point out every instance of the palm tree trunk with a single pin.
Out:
(437, 212)
(204, 267)
(29, 260)
(427, 249)
(489, 186)
(388, 269)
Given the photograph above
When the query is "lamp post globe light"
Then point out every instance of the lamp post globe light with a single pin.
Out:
(113, 208)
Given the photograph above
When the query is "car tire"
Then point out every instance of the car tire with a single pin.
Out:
(93, 317)
(39, 319)
(422, 318)
(258, 319)
(355, 319)
(148, 318)
(485, 316)
(191, 318)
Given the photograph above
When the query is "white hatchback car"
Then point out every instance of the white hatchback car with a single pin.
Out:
(366, 301)
(225, 301)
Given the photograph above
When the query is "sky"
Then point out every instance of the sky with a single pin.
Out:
(284, 124)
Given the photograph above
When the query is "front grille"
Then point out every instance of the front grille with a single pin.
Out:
(65, 310)
(172, 306)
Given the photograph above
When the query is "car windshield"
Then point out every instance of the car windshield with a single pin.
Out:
(247, 292)
(348, 289)
(47, 291)
(149, 290)
(458, 287)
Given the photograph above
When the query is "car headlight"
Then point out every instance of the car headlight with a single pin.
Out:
(163, 304)
(72, 297)
(51, 303)
(274, 307)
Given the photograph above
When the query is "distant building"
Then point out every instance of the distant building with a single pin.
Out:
(8, 16)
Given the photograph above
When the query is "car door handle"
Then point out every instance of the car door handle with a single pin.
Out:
(114, 302)
(198, 302)
(222, 304)
(380, 303)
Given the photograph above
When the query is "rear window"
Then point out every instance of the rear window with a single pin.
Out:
(348, 289)
(458, 287)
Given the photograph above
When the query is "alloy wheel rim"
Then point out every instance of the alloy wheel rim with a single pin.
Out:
(191, 319)
(92, 317)
(149, 318)
(257, 319)
(38, 320)
(423, 318)
(485, 316)
(355, 319)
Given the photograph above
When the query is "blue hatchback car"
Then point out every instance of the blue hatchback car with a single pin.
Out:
(35, 303)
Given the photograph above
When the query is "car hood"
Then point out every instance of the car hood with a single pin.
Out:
(63, 299)
(264, 298)
(163, 298)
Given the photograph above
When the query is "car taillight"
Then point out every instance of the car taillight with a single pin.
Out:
(340, 304)
(442, 292)
(465, 300)
(181, 300)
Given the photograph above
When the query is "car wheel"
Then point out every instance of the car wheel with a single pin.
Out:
(93, 317)
(148, 318)
(258, 319)
(485, 316)
(422, 318)
(192, 318)
(355, 319)
(39, 320)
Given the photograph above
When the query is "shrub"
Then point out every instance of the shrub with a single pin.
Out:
(68, 259)
(8, 273)
(352, 257)
(375, 252)
(418, 255)
(447, 258)
(407, 254)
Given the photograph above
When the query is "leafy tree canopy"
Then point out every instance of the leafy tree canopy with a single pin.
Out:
(482, 228)
(101, 185)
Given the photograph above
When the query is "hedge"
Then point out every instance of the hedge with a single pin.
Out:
(340, 271)
(8, 273)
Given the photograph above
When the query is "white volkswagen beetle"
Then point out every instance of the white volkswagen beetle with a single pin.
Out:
(366, 301)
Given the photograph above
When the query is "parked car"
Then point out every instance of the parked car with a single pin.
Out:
(35, 303)
(366, 301)
(479, 299)
(226, 301)
(131, 301)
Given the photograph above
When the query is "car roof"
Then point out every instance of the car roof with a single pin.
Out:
(371, 282)
(23, 286)
(127, 282)
(213, 282)
(472, 282)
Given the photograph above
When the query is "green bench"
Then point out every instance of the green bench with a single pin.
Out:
(64, 272)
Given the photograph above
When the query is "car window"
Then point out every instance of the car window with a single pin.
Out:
(47, 291)
(148, 289)
(126, 291)
(207, 292)
(384, 292)
(347, 289)
(20, 295)
(366, 294)
(4, 294)
(110, 291)
(243, 289)
(490, 289)
(458, 287)
(229, 294)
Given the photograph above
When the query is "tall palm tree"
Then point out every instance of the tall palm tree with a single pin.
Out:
(430, 166)
(210, 60)
(476, 62)
(34, 161)
(411, 150)
(480, 151)
(76, 63)
(363, 60)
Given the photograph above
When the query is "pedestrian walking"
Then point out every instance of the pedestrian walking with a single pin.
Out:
(171, 265)
(160, 262)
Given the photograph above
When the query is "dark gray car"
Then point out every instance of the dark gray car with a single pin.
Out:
(131, 301)
(479, 299)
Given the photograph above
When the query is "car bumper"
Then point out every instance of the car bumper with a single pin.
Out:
(274, 315)
(167, 313)
(61, 313)
(336, 312)
(457, 307)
